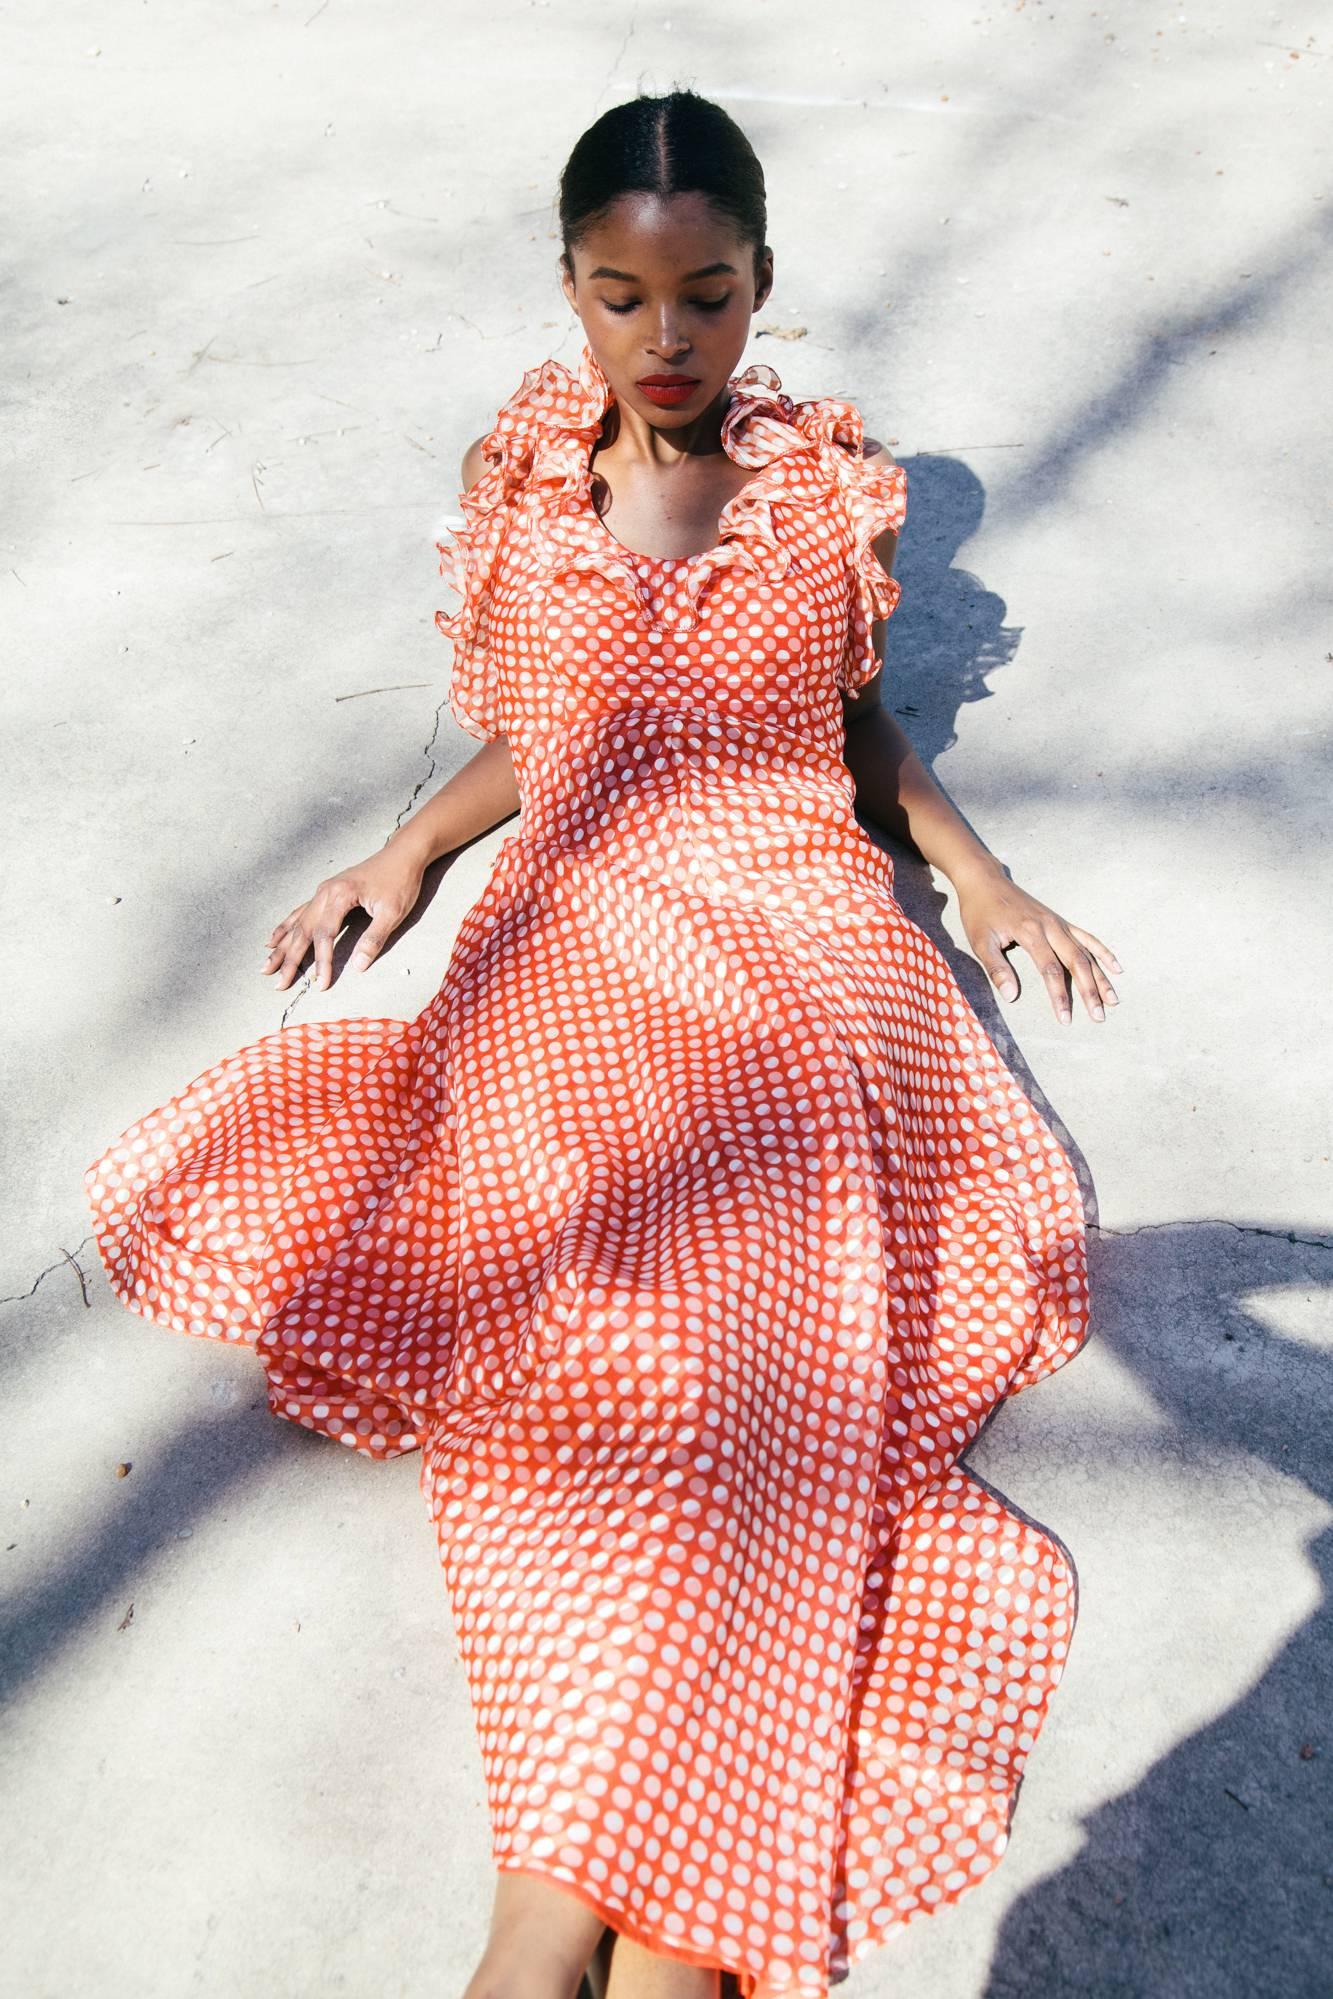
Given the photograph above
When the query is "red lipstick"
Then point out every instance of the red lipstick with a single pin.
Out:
(668, 390)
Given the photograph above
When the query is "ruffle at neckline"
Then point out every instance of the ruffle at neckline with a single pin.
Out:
(541, 447)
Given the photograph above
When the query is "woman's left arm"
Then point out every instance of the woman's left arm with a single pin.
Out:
(894, 788)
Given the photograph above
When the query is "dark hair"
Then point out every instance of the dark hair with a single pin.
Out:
(677, 144)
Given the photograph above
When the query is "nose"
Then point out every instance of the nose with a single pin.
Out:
(670, 344)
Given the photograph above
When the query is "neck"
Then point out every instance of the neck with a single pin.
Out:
(637, 439)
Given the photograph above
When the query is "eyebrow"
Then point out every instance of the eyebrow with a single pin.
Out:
(628, 277)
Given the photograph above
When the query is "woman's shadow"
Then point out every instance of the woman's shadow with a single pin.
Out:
(1214, 1874)
(945, 640)
(948, 634)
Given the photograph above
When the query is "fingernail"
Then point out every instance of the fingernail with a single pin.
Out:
(359, 961)
(1099, 1013)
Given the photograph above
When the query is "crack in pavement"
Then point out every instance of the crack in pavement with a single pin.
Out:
(1220, 1222)
(17, 1297)
(429, 753)
(305, 984)
(1093, 1228)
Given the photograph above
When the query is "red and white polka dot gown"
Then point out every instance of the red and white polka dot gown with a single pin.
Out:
(691, 1231)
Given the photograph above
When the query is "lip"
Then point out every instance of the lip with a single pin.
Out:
(668, 388)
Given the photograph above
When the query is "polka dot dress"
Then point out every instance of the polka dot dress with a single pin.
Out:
(691, 1232)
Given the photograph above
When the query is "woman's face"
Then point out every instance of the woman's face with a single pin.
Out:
(664, 286)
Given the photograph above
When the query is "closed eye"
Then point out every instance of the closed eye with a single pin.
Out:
(703, 304)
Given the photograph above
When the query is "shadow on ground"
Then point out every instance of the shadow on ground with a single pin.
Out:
(1213, 1877)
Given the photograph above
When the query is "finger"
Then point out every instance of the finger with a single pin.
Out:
(325, 937)
(1056, 979)
(281, 973)
(328, 913)
(1081, 966)
(282, 936)
(282, 933)
(293, 916)
(1106, 992)
(998, 969)
(1074, 948)
(1096, 946)
(294, 939)
(383, 922)
(298, 943)
(369, 946)
(1087, 974)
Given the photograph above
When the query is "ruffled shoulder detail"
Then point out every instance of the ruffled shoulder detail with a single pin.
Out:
(817, 445)
(873, 493)
(541, 433)
(567, 535)
(538, 454)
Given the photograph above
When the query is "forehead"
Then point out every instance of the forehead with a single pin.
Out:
(661, 236)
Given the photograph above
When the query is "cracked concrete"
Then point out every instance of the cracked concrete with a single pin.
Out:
(304, 983)
(70, 1258)
(269, 276)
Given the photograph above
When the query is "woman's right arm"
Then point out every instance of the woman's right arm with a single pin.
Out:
(387, 884)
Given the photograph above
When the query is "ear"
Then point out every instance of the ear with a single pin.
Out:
(764, 282)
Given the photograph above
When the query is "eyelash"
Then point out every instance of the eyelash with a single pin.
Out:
(704, 304)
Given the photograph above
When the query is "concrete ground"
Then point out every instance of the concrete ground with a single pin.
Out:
(268, 268)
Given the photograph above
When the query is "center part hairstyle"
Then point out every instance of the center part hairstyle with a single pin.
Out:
(678, 144)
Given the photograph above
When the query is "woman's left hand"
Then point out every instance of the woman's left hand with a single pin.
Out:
(997, 914)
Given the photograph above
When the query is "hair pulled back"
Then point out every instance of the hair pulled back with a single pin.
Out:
(679, 143)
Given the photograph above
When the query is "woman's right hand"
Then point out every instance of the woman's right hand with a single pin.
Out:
(386, 886)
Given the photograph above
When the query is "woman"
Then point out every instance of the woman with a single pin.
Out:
(695, 1226)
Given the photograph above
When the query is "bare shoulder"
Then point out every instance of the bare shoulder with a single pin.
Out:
(885, 543)
(872, 448)
(474, 462)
